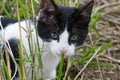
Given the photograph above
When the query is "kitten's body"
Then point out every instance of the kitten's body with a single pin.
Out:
(60, 30)
(50, 61)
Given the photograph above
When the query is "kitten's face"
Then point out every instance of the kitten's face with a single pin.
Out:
(63, 28)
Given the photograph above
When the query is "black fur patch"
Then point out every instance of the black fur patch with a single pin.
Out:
(14, 47)
(6, 21)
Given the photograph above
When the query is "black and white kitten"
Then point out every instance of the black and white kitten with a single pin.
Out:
(60, 29)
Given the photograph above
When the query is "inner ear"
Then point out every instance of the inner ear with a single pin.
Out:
(86, 9)
(48, 10)
(48, 5)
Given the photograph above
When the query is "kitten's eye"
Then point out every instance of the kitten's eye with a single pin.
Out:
(54, 35)
(73, 38)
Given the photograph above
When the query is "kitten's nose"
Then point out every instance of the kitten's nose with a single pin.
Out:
(63, 51)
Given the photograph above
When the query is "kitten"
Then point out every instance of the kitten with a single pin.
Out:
(60, 30)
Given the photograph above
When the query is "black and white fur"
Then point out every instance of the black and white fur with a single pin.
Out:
(60, 30)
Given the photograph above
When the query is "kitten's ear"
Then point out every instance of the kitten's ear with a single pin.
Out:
(85, 12)
(48, 10)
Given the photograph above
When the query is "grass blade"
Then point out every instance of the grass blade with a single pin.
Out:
(60, 74)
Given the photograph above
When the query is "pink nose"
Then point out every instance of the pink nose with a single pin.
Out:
(63, 51)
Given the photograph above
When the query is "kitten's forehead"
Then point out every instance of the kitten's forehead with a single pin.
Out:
(66, 12)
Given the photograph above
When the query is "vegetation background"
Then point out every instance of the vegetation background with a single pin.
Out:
(99, 57)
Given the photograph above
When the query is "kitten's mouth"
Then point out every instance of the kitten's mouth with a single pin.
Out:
(63, 52)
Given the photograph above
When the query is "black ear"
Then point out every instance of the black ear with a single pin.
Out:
(84, 12)
(48, 10)
(86, 9)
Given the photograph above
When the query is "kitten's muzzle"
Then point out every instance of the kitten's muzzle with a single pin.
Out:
(63, 51)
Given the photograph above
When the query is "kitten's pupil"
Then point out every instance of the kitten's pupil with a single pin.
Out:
(74, 38)
(54, 35)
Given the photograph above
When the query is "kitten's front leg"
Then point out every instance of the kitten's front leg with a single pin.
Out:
(50, 75)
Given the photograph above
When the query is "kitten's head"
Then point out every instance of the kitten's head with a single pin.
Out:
(63, 28)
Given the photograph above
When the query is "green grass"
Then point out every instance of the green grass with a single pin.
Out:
(9, 9)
